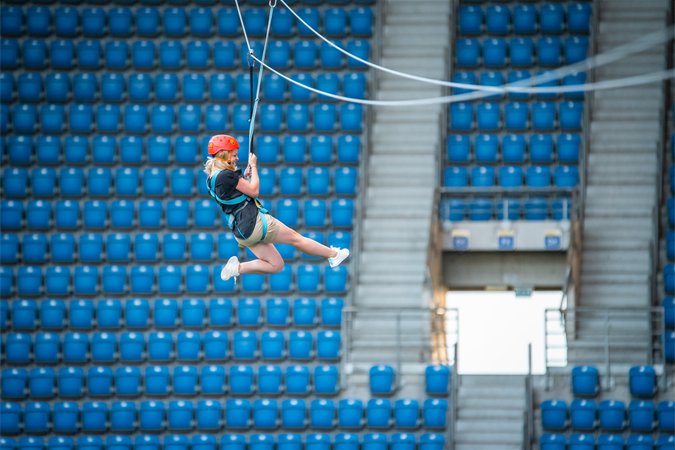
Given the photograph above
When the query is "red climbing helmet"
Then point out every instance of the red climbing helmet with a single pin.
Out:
(221, 142)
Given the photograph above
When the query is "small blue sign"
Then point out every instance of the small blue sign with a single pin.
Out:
(460, 242)
(552, 242)
(505, 242)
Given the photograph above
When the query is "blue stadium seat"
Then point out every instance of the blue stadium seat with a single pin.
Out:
(7, 86)
(335, 279)
(88, 55)
(294, 147)
(265, 413)
(119, 22)
(113, 86)
(578, 17)
(94, 417)
(570, 115)
(132, 346)
(34, 248)
(314, 213)
(470, 19)
(204, 214)
(279, 55)
(171, 55)
(300, 345)
(581, 441)
(521, 51)
(582, 414)
(272, 345)
(215, 342)
(350, 413)
(486, 148)
(29, 88)
(117, 54)
(322, 414)
(549, 51)
(179, 416)
(34, 54)
(585, 381)
(351, 117)
(201, 20)
(212, 380)
(461, 116)
(360, 21)
(65, 417)
(122, 419)
(93, 22)
(135, 119)
(174, 22)
(553, 414)
(541, 148)
(17, 352)
(611, 415)
(9, 49)
(24, 118)
(524, 19)
(197, 54)
(378, 413)
(308, 278)
(299, 94)
(156, 380)
(13, 383)
(137, 313)
(85, 280)
(330, 83)
(666, 416)
(543, 115)
(241, 382)
(43, 182)
(642, 381)
(71, 379)
(103, 348)
(118, 247)
(113, 279)
(538, 176)
(381, 379)
(287, 210)
(497, 19)
(293, 414)
(147, 22)
(359, 48)
(11, 20)
(641, 415)
(255, 21)
(240, 117)
(575, 49)
(208, 414)
(61, 52)
(36, 417)
(244, 345)
(185, 380)
(109, 314)
(305, 55)
(494, 52)
(328, 345)
(566, 176)
(342, 212)
(551, 18)
(40, 384)
(160, 345)
(29, 281)
(193, 312)
(297, 118)
(151, 416)
(513, 148)
(510, 176)
(23, 314)
(57, 280)
(57, 87)
(224, 55)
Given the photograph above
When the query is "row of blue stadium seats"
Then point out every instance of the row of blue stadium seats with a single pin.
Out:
(668, 304)
(34, 248)
(261, 414)
(76, 150)
(65, 54)
(130, 381)
(609, 415)
(110, 87)
(669, 279)
(481, 209)
(186, 118)
(546, 51)
(193, 313)
(31, 281)
(585, 441)
(288, 441)
(546, 18)
(642, 380)
(513, 148)
(74, 182)
(517, 116)
(176, 22)
(511, 176)
(187, 346)
(197, 2)
(493, 78)
(174, 214)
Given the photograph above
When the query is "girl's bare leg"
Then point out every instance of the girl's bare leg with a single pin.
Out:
(269, 260)
(287, 235)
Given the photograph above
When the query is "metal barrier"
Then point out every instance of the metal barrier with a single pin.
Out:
(560, 328)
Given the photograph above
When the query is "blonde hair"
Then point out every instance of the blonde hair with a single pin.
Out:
(220, 161)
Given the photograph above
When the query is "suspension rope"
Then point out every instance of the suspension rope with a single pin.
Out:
(597, 86)
(253, 108)
(642, 43)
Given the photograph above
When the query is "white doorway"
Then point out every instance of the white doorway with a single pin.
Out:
(495, 328)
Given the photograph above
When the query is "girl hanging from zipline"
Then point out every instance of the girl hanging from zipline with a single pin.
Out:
(251, 224)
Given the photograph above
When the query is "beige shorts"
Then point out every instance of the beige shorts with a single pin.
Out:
(254, 238)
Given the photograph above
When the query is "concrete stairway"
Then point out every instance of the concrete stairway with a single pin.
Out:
(402, 170)
(621, 189)
(490, 412)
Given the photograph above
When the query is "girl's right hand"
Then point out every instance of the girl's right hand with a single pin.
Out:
(252, 160)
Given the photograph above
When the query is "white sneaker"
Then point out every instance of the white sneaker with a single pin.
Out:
(342, 254)
(231, 269)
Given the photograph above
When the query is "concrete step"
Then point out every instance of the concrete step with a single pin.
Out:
(408, 277)
(500, 440)
(487, 446)
(495, 426)
(626, 127)
(480, 414)
(392, 245)
(622, 163)
(617, 260)
(614, 296)
(393, 259)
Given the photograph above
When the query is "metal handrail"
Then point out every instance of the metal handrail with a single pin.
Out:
(528, 419)
(603, 337)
